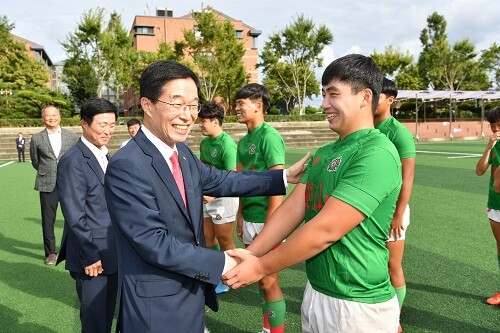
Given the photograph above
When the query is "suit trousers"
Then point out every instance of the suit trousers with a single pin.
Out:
(20, 153)
(97, 297)
(48, 204)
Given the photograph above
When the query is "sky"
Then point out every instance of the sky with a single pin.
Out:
(358, 26)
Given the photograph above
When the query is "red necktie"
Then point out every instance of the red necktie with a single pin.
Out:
(176, 171)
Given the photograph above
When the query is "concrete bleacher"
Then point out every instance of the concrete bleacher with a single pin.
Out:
(295, 134)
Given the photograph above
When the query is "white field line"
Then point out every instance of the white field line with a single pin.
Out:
(1, 166)
(456, 155)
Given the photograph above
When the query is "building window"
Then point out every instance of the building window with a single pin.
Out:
(239, 34)
(144, 30)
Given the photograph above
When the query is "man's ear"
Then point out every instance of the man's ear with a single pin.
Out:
(367, 98)
(146, 106)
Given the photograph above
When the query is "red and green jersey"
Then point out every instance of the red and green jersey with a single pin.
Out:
(259, 150)
(494, 160)
(399, 135)
(219, 152)
(364, 171)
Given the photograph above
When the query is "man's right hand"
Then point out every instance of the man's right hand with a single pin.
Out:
(294, 172)
(94, 269)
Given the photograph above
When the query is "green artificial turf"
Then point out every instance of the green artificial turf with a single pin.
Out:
(450, 260)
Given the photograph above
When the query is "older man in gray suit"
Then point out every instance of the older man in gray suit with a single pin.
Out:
(46, 149)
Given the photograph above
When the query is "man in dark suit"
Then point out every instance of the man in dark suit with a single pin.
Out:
(89, 244)
(154, 189)
(21, 145)
(46, 148)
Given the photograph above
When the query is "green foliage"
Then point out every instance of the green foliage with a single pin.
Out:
(23, 78)
(102, 50)
(490, 60)
(392, 61)
(215, 54)
(446, 67)
(289, 59)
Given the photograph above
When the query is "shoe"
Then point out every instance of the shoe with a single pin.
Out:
(221, 288)
(264, 330)
(206, 330)
(51, 259)
(494, 300)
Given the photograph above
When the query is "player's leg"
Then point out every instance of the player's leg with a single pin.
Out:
(275, 305)
(495, 228)
(223, 216)
(209, 232)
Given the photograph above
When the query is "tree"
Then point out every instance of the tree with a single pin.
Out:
(105, 48)
(490, 61)
(392, 61)
(80, 79)
(215, 54)
(23, 80)
(442, 66)
(298, 45)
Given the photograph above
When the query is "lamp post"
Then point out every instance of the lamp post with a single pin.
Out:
(6, 92)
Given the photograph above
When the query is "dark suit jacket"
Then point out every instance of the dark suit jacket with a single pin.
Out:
(167, 274)
(20, 142)
(88, 234)
(44, 160)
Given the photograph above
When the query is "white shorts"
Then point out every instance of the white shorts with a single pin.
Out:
(493, 214)
(406, 223)
(251, 230)
(221, 210)
(321, 313)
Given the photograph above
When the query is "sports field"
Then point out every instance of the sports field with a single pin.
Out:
(450, 260)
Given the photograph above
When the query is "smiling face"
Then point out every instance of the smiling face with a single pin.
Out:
(344, 109)
(101, 129)
(162, 119)
(209, 127)
(51, 118)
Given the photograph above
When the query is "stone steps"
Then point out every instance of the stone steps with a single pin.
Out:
(295, 134)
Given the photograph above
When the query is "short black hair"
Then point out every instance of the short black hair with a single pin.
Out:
(96, 106)
(212, 110)
(389, 88)
(133, 122)
(494, 115)
(359, 72)
(156, 75)
(254, 92)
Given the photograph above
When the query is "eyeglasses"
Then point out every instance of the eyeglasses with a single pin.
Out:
(179, 108)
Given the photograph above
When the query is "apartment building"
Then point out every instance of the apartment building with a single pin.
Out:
(162, 27)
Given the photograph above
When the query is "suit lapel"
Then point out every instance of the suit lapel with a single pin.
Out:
(45, 136)
(161, 167)
(91, 160)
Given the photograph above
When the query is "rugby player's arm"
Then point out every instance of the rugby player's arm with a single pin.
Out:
(334, 220)
(483, 163)
(408, 173)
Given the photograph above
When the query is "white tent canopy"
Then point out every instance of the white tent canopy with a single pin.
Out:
(427, 95)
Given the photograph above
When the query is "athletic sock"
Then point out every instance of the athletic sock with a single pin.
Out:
(265, 317)
(401, 294)
(215, 247)
(276, 311)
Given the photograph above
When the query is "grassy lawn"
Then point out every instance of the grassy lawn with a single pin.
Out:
(450, 259)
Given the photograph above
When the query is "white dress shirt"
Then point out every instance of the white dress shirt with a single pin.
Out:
(55, 140)
(99, 153)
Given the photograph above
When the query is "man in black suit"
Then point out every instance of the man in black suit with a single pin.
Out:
(21, 145)
(88, 244)
(46, 148)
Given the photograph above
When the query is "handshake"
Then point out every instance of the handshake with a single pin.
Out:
(243, 269)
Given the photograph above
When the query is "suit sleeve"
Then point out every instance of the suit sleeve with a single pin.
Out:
(72, 188)
(158, 235)
(34, 152)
